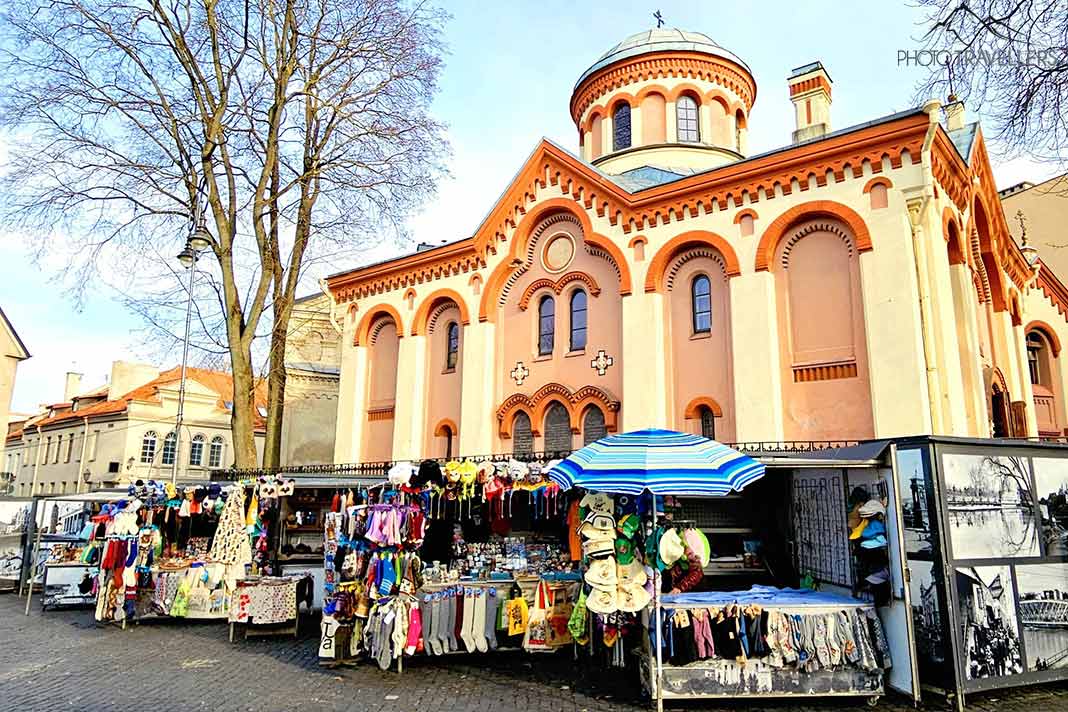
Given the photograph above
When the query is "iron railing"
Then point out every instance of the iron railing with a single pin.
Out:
(370, 470)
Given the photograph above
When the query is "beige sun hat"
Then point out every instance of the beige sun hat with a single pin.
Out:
(671, 547)
(603, 600)
(632, 598)
(602, 572)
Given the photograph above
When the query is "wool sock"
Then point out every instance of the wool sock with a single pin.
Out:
(490, 632)
(478, 621)
(415, 630)
(467, 619)
(429, 629)
(449, 624)
(456, 637)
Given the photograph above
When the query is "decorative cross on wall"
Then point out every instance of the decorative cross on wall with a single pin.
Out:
(601, 363)
(519, 373)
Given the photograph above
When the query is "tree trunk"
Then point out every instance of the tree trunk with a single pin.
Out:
(276, 383)
(243, 413)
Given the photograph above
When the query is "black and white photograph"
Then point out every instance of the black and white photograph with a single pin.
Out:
(1051, 489)
(927, 616)
(987, 617)
(991, 506)
(914, 510)
(1043, 590)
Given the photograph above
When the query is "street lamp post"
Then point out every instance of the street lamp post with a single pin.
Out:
(188, 257)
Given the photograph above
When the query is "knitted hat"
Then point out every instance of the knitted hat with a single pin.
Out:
(628, 525)
(876, 542)
(400, 474)
(873, 529)
(429, 473)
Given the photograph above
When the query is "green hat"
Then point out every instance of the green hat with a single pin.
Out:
(628, 525)
(624, 551)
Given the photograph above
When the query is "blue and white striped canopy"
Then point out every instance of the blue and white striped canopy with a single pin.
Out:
(664, 462)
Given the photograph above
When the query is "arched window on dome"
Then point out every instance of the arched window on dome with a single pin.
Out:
(686, 119)
(701, 294)
(578, 321)
(546, 325)
(621, 127)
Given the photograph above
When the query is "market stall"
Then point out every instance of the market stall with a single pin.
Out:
(269, 605)
(469, 557)
(767, 640)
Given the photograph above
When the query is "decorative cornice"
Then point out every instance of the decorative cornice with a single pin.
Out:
(535, 405)
(558, 286)
(427, 266)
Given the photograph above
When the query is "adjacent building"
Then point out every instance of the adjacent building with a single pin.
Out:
(125, 431)
(312, 362)
(12, 351)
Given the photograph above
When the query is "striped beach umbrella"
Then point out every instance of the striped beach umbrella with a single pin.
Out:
(664, 462)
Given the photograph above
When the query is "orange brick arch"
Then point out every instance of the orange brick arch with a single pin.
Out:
(422, 314)
(654, 278)
(363, 330)
(775, 232)
(1047, 331)
(499, 276)
(576, 402)
(691, 407)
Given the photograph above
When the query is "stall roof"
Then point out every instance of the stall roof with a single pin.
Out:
(102, 495)
(866, 454)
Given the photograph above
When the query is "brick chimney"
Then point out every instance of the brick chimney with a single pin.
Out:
(810, 91)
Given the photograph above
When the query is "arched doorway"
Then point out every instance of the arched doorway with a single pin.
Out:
(999, 412)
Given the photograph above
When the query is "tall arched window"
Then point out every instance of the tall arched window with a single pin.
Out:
(170, 448)
(215, 452)
(701, 290)
(522, 437)
(593, 428)
(1034, 360)
(546, 325)
(452, 345)
(578, 320)
(708, 422)
(196, 451)
(148, 446)
(557, 429)
(621, 127)
(686, 119)
(446, 432)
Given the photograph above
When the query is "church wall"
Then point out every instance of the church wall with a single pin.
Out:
(445, 385)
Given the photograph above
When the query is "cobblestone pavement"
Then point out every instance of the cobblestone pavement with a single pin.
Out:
(62, 660)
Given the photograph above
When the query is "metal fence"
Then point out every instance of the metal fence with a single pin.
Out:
(364, 470)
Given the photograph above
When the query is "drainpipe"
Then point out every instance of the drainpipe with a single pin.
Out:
(81, 460)
(917, 207)
(330, 313)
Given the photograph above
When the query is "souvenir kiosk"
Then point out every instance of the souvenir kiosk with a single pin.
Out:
(986, 546)
(760, 641)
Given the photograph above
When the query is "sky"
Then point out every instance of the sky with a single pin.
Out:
(508, 78)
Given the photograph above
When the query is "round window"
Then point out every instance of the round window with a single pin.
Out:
(558, 253)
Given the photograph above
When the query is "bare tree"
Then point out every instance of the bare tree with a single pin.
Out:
(1009, 59)
(292, 127)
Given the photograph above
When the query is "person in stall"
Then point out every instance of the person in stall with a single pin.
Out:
(674, 551)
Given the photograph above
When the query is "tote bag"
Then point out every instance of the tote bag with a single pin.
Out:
(537, 636)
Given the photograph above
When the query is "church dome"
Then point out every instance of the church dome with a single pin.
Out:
(665, 99)
(661, 39)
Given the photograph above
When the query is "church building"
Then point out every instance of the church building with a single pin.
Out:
(854, 283)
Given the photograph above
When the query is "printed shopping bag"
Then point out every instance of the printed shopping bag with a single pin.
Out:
(537, 637)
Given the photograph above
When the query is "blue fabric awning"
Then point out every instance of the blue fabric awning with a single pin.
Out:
(664, 462)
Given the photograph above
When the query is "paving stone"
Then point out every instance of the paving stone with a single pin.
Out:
(64, 660)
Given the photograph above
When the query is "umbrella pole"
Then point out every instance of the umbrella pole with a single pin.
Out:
(658, 671)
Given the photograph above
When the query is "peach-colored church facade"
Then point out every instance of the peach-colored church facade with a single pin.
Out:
(853, 284)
